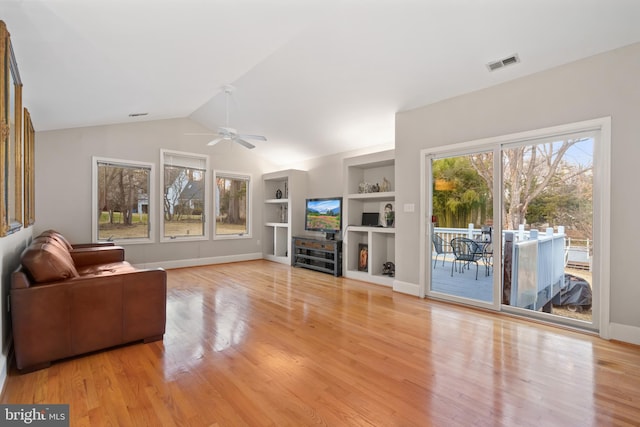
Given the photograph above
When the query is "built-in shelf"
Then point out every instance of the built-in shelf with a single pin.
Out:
(277, 224)
(282, 216)
(388, 195)
(277, 201)
(373, 169)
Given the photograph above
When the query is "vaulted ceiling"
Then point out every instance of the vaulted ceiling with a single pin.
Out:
(316, 77)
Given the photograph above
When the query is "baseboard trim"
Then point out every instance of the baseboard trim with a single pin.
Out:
(196, 262)
(4, 365)
(406, 288)
(625, 333)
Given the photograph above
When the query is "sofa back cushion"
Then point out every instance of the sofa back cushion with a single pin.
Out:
(46, 261)
(53, 234)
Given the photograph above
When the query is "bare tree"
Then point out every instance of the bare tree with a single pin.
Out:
(527, 171)
(234, 202)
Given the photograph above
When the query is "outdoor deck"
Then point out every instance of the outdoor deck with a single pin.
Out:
(538, 261)
(462, 284)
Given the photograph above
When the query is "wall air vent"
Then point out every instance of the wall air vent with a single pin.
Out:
(495, 65)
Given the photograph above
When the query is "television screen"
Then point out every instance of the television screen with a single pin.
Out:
(324, 215)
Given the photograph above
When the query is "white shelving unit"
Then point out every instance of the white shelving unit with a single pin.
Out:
(284, 216)
(380, 241)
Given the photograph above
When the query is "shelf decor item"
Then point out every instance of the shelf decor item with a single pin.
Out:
(387, 214)
(385, 186)
(389, 269)
(390, 218)
(278, 194)
(363, 257)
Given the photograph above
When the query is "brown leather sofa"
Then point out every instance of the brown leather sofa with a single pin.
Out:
(67, 300)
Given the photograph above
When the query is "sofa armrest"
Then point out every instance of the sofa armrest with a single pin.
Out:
(92, 245)
(144, 304)
(97, 255)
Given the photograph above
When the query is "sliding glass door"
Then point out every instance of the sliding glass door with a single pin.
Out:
(520, 223)
(462, 232)
(547, 214)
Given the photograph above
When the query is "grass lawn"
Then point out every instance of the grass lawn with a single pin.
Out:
(171, 228)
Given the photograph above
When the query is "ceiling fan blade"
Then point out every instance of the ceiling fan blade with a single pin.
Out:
(215, 141)
(257, 137)
(244, 143)
(199, 134)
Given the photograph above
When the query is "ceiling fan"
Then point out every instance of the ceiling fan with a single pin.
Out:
(227, 133)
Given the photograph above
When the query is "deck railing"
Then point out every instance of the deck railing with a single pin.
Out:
(537, 268)
(537, 262)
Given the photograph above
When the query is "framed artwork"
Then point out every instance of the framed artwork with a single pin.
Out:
(363, 257)
(387, 214)
(29, 171)
(11, 191)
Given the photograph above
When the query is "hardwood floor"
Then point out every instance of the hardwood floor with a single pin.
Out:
(259, 343)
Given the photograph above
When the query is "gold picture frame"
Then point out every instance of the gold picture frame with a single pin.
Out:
(29, 171)
(11, 160)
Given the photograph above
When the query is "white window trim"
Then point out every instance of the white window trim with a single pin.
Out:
(207, 197)
(238, 175)
(152, 215)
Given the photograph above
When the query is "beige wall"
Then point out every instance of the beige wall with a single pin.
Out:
(63, 181)
(325, 173)
(600, 86)
(11, 247)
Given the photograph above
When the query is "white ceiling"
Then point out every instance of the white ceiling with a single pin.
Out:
(314, 76)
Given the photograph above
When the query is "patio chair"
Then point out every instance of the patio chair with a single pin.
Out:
(465, 252)
(486, 234)
(486, 244)
(438, 245)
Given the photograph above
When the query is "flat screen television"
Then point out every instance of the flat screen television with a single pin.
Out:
(324, 215)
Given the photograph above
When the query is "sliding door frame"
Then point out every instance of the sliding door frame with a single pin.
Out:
(601, 209)
(426, 205)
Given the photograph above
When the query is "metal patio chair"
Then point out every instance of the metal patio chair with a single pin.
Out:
(465, 251)
(438, 245)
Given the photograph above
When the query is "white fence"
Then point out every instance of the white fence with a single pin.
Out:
(578, 252)
(536, 261)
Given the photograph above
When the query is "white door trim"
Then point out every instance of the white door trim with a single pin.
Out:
(601, 204)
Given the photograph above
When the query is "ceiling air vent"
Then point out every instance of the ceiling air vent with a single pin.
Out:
(495, 65)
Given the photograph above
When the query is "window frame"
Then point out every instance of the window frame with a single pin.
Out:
(205, 234)
(152, 216)
(240, 176)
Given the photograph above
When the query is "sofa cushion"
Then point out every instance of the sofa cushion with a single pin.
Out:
(47, 262)
(106, 269)
(64, 252)
(53, 234)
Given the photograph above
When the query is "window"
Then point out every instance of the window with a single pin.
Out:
(184, 200)
(121, 205)
(232, 205)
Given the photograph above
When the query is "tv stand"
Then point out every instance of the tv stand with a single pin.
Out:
(317, 254)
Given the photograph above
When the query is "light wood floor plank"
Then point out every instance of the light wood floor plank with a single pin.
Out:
(262, 344)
